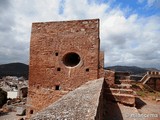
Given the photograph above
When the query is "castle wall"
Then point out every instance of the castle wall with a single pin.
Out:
(101, 64)
(154, 83)
(63, 56)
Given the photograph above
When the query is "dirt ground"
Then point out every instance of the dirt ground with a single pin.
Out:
(145, 109)
(150, 107)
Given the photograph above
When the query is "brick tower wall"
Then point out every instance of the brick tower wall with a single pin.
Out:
(101, 64)
(50, 76)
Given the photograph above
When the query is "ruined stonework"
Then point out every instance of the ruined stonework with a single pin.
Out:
(109, 76)
(152, 79)
(154, 83)
(63, 56)
(101, 64)
(83, 103)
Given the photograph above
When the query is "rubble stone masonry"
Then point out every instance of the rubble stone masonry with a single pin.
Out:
(63, 56)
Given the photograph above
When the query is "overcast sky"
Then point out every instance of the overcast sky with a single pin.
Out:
(129, 29)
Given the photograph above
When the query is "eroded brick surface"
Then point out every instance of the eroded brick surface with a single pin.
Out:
(84, 103)
(101, 64)
(51, 42)
(109, 76)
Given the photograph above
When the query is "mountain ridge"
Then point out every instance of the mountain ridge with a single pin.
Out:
(20, 69)
(14, 69)
(134, 70)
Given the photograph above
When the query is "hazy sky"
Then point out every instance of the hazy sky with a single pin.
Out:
(129, 29)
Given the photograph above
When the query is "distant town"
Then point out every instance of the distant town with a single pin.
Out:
(16, 87)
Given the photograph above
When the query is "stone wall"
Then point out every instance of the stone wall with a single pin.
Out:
(101, 64)
(83, 103)
(109, 76)
(154, 83)
(63, 56)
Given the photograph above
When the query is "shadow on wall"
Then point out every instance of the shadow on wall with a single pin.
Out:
(99, 114)
(139, 103)
(111, 110)
(108, 108)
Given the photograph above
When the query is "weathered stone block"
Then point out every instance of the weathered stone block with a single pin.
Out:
(21, 111)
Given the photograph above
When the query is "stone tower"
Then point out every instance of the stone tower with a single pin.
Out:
(63, 56)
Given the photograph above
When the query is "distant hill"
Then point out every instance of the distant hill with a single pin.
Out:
(20, 69)
(14, 69)
(132, 69)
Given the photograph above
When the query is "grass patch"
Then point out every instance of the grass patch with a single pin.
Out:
(158, 94)
(145, 91)
(141, 93)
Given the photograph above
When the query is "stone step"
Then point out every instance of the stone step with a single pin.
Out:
(125, 86)
(157, 99)
(120, 91)
(126, 81)
(125, 99)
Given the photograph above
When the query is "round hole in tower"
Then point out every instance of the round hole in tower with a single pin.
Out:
(71, 59)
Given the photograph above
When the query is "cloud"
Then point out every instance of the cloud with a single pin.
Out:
(131, 40)
(4, 4)
(141, 1)
(5, 21)
(154, 3)
(14, 36)
(151, 3)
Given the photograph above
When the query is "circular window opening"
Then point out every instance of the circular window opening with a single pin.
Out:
(71, 59)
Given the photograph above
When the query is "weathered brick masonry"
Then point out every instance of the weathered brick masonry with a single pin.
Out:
(63, 56)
